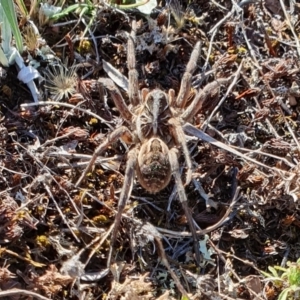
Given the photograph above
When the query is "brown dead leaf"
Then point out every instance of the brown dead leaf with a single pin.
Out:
(51, 282)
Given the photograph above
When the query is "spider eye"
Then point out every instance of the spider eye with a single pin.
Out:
(157, 102)
(154, 170)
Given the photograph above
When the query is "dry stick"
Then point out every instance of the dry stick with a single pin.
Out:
(98, 245)
(18, 292)
(93, 39)
(214, 30)
(225, 297)
(167, 265)
(110, 163)
(291, 27)
(26, 259)
(209, 50)
(255, 63)
(250, 151)
(291, 132)
(150, 230)
(269, 88)
(257, 151)
(192, 130)
(59, 210)
(95, 243)
(44, 167)
(175, 234)
(61, 137)
(43, 103)
(23, 175)
(236, 76)
(246, 262)
(218, 4)
(67, 155)
(220, 253)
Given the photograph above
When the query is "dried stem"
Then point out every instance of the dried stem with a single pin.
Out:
(19, 292)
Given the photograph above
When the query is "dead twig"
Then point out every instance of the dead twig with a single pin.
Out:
(175, 234)
(18, 292)
(44, 103)
(233, 83)
(291, 27)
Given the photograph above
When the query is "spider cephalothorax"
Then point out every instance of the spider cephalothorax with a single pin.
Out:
(153, 115)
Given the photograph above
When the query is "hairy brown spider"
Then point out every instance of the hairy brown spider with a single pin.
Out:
(154, 127)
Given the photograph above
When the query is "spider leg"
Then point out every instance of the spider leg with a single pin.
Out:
(124, 196)
(133, 90)
(210, 93)
(173, 157)
(121, 132)
(172, 99)
(179, 136)
(187, 77)
(117, 98)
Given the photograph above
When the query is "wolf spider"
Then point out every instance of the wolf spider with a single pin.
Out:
(154, 128)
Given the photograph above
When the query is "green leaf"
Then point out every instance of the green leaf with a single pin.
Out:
(283, 295)
(3, 59)
(68, 10)
(273, 271)
(144, 6)
(9, 10)
(294, 276)
(280, 268)
(266, 274)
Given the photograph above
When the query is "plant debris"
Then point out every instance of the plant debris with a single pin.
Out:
(244, 193)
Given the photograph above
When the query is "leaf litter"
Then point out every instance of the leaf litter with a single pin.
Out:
(55, 237)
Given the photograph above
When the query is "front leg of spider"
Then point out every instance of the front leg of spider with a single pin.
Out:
(114, 136)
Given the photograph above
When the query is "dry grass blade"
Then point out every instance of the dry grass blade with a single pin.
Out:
(190, 129)
(14, 292)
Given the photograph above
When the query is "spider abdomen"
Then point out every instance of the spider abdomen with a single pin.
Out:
(154, 170)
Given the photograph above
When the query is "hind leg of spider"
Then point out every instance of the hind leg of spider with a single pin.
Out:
(173, 157)
(121, 132)
(124, 196)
